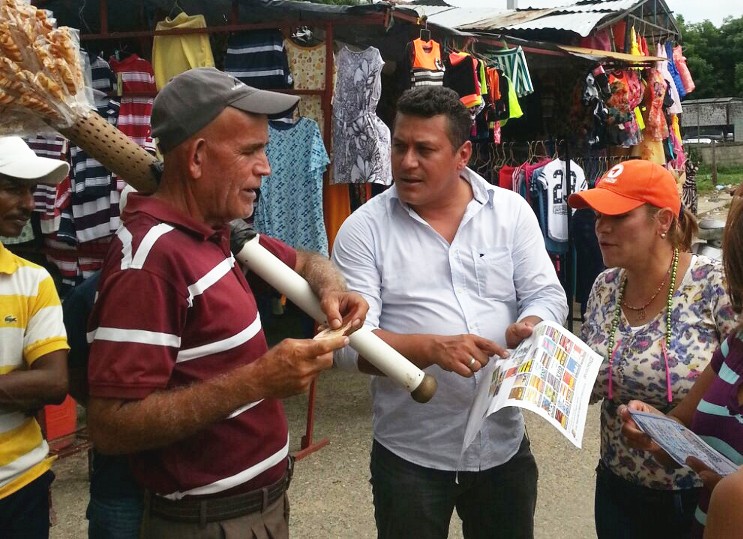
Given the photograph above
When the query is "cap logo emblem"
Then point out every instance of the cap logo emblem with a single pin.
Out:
(613, 174)
(9, 319)
(238, 84)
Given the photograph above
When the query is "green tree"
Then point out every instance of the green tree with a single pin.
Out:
(715, 57)
(732, 30)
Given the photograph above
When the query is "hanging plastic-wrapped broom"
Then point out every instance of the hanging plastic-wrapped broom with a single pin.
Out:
(42, 86)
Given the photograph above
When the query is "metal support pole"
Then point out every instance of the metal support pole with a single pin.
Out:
(569, 266)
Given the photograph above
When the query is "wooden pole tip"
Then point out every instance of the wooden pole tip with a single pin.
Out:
(425, 389)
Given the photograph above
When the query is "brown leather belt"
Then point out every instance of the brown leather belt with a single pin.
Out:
(218, 509)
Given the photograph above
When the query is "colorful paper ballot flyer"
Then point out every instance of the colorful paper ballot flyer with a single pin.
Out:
(551, 373)
(681, 443)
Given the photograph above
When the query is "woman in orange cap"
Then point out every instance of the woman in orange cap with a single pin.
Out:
(713, 409)
(656, 315)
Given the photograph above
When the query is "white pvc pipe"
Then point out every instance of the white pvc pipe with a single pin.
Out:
(380, 354)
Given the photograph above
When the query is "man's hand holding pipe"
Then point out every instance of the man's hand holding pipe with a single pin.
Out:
(290, 367)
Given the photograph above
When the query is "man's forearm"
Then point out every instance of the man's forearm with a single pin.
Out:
(30, 390)
(320, 273)
(415, 347)
(170, 415)
(165, 417)
(44, 383)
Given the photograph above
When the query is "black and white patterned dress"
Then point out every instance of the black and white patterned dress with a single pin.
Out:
(361, 141)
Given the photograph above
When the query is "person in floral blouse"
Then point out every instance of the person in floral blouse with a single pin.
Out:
(656, 315)
(713, 409)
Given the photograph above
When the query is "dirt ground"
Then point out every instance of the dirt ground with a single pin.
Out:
(330, 495)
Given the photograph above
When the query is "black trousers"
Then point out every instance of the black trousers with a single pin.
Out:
(25, 513)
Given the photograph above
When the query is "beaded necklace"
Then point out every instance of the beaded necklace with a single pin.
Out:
(641, 313)
(665, 344)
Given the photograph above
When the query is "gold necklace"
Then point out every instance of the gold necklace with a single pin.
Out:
(641, 313)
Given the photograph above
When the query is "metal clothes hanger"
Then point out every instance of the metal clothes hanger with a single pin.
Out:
(484, 160)
(491, 156)
(556, 154)
(498, 160)
(121, 52)
(425, 33)
(540, 145)
(511, 157)
(82, 17)
(173, 7)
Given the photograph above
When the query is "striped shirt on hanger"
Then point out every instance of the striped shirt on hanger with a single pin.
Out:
(514, 66)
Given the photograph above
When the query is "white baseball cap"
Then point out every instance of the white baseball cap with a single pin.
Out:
(20, 162)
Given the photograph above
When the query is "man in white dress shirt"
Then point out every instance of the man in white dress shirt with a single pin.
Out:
(455, 271)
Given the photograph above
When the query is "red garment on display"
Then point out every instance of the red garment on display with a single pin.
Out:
(505, 177)
(656, 127)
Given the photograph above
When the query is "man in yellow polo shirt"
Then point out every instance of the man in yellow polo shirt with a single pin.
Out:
(33, 349)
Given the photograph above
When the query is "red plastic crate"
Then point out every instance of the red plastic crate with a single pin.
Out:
(58, 420)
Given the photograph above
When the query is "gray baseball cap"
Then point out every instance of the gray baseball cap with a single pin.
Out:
(191, 100)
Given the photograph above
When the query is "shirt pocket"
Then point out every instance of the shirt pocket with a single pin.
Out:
(494, 274)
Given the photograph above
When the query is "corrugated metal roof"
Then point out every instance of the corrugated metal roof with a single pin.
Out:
(581, 19)
(613, 6)
(433, 10)
(483, 18)
(580, 23)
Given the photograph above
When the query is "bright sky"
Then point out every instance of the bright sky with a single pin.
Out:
(692, 10)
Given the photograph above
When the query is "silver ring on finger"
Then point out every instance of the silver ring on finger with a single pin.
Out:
(471, 364)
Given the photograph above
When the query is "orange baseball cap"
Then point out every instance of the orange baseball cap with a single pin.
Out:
(629, 185)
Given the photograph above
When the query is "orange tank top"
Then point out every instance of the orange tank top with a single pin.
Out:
(427, 55)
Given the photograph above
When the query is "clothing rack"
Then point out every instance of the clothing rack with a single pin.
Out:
(597, 165)
(325, 94)
(488, 157)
